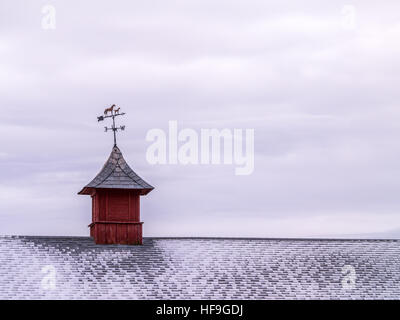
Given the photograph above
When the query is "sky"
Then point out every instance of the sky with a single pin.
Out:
(316, 80)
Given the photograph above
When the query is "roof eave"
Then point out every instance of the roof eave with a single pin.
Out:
(90, 190)
(146, 191)
(86, 191)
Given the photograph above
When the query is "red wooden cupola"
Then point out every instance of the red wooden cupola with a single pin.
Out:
(115, 193)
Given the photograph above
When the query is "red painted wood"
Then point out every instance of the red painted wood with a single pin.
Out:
(93, 207)
(112, 233)
(139, 234)
(122, 234)
(116, 217)
(130, 212)
(138, 209)
(100, 234)
(102, 205)
(134, 206)
(97, 206)
(130, 235)
(118, 206)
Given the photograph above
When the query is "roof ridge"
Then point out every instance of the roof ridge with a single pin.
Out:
(216, 238)
(117, 174)
(128, 173)
(115, 146)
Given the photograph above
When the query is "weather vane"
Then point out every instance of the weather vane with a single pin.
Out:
(114, 112)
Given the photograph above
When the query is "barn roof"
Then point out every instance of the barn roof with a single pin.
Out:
(116, 174)
(199, 268)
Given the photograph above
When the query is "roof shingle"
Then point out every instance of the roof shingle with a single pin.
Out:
(199, 268)
(116, 174)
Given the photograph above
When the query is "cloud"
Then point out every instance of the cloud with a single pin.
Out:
(323, 100)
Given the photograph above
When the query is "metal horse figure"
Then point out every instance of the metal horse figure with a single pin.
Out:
(114, 112)
(110, 109)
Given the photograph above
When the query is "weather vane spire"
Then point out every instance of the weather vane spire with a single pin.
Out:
(114, 112)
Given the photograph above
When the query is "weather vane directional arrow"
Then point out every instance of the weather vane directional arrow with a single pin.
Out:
(114, 112)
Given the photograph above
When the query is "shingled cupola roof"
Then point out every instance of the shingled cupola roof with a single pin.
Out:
(116, 174)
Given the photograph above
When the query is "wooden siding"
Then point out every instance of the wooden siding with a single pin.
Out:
(116, 217)
(117, 233)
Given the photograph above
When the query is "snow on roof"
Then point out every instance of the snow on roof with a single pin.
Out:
(199, 268)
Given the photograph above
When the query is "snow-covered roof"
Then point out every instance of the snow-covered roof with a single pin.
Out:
(199, 268)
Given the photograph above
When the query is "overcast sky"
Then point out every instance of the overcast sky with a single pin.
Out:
(319, 87)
